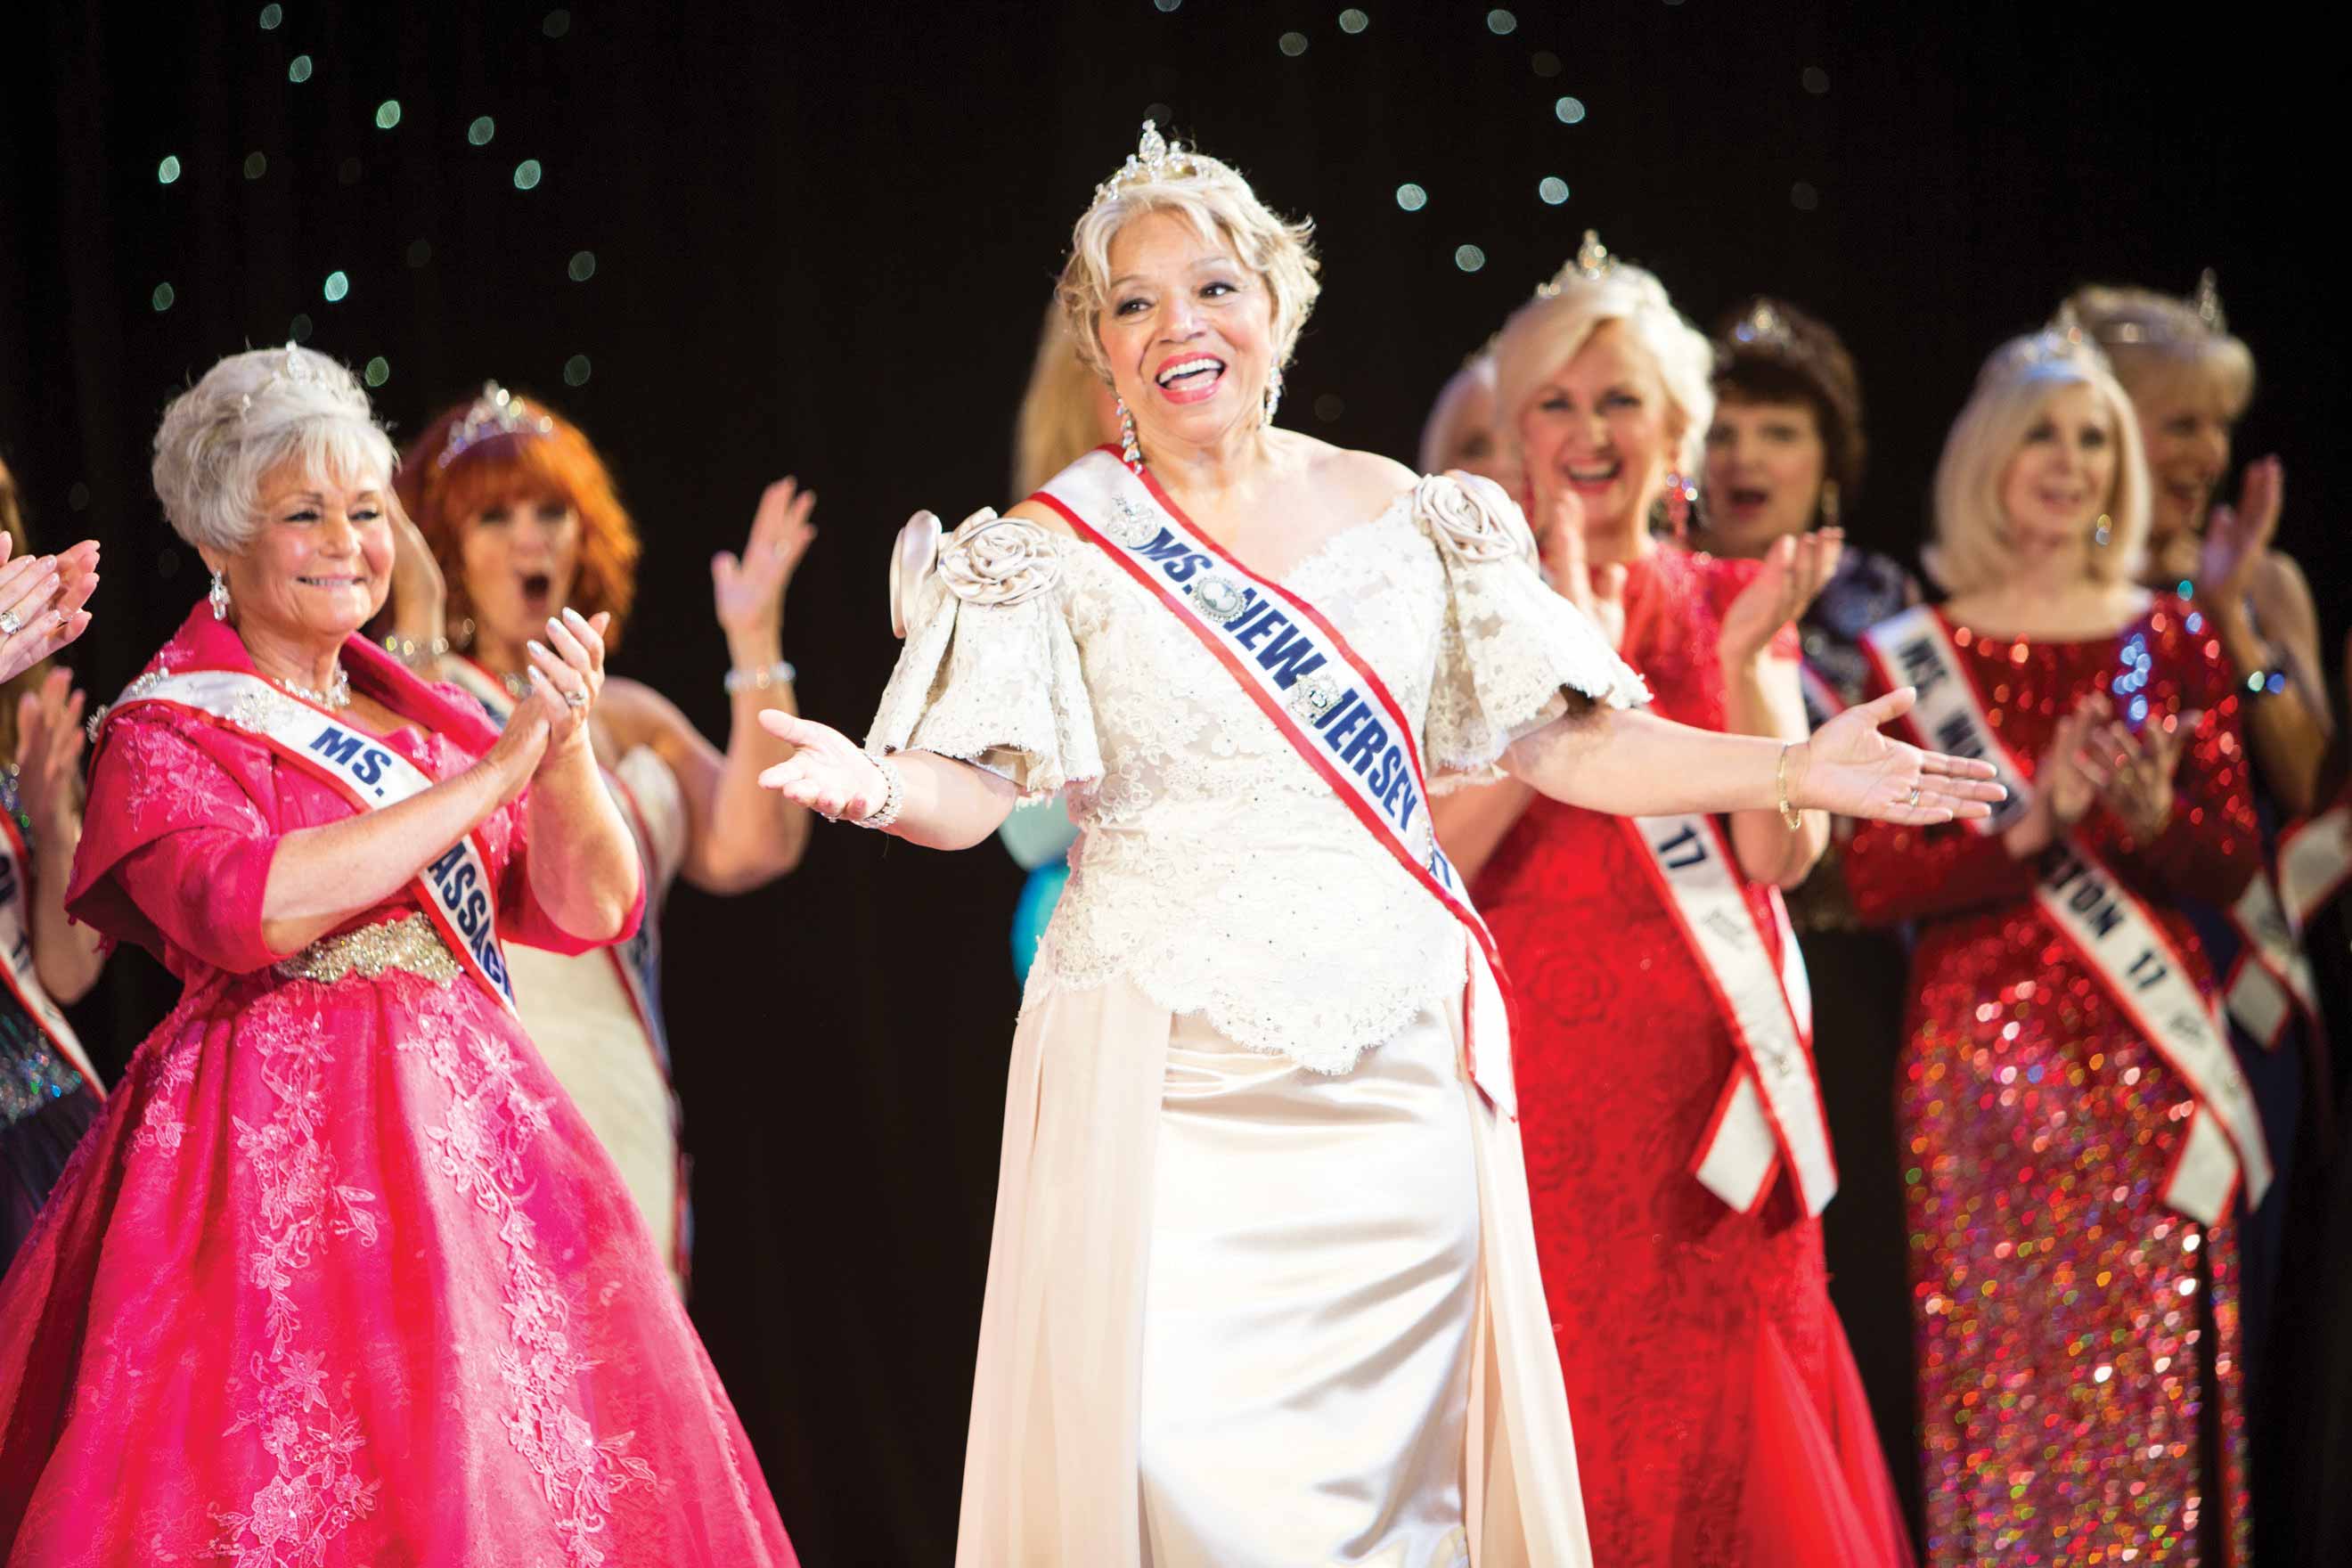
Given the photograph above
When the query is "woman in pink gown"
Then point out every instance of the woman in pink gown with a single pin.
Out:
(340, 1276)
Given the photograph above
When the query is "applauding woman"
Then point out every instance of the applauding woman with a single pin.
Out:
(340, 1276)
(2076, 1128)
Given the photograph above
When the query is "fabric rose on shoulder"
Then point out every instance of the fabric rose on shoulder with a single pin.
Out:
(992, 559)
(1474, 518)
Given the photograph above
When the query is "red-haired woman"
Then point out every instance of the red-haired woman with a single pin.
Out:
(517, 516)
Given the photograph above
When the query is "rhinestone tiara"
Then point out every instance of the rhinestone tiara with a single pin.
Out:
(496, 413)
(292, 370)
(2065, 339)
(1764, 325)
(1592, 263)
(1154, 158)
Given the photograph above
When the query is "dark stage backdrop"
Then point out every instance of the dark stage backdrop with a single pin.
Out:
(738, 242)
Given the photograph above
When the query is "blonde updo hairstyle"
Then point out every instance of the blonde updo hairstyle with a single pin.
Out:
(1552, 328)
(1222, 209)
(2161, 347)
(1971, 549)
(250, 413)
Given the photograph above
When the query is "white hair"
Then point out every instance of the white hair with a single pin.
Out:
(1552, 329)
(252, 412)
(1971, 548)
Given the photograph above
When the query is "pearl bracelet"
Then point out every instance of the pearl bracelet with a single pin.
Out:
(780, 673)
(894, 794)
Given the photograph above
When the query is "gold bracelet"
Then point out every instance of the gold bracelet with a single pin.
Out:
(1788, 813)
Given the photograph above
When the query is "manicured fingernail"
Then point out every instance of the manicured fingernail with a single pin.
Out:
(537, 646)
(575, 616)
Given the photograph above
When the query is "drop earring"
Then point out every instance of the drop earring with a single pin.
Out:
(1129, 452)
(1829, 503)
(1273, 394)
(1680, 493)
(2103, 532)
(219, 598)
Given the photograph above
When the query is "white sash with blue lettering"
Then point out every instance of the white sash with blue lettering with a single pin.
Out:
(2315, 861)
(456, 887)
(1326, 700)
(16, 956)
(2123, 946)
(1770, 1108)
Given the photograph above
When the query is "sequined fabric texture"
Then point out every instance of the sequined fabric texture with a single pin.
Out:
(411, 943)
(2077, 1341)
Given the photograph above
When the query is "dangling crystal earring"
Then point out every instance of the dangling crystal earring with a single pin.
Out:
(1273, 394)
(1680, 492)
(1129, 453)
(219, 596)
(1829, 503)
(2103, 532)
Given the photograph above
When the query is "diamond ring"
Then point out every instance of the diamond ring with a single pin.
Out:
(9, 624)
(579, 699)
(1914, 796)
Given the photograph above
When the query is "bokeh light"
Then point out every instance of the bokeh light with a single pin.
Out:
(1500, 22)
(78, 497)
(575, 371)
(1816, 80)
(256, 165)
(1469, 257)
(387, 114)
(1351, 21)
(1544, 63)
(337, 285)
(298, 68)
(1552, 189)
(526, 174)
(582, 266)
(163, 297)
(168, 170)
(1164, 7)
(420, 252)
(378, 371)
(1803, 197)
(1413, 198)
(558, 23)
(1292, 44)
(271, 15)
(1328, 408)
(300, 328)
(1570, 111)
(480, 131)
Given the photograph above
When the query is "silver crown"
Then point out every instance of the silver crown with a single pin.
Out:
(1763, 324)
(2208, 302)
(293, 371)
(496, 413)
(2065, 339)
(1592, 263)
(1154, 158)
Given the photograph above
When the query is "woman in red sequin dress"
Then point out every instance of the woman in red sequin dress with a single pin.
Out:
(1720, 1420)
(2078, 1337)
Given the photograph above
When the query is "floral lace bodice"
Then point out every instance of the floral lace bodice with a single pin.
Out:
(1213, 869)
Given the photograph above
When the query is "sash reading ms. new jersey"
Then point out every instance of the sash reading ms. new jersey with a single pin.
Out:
(17, 955)
(456, 887)
(1323, 697)
(2117, 938)
(1770, 1108)
(637, 960)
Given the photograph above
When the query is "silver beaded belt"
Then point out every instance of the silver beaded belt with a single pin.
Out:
(411, 942)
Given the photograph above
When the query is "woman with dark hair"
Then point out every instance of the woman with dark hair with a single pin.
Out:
(1785, 455)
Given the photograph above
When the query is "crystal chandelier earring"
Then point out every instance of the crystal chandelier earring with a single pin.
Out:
(1680, 493)
(1273, 392)
(1129, 452)
(219, 598)
(2103, 532)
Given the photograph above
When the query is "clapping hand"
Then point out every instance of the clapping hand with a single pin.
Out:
(1796, 568)
(1852, 769)
(2236, 538)
(41, 600)
(48, 755)
(828, 773)
(748, 592)
(1559, 544)
(2133, 772)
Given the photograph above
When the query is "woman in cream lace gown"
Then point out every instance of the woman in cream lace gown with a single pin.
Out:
(1262, 1287)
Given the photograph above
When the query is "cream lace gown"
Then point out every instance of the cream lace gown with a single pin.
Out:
(1262, 1288)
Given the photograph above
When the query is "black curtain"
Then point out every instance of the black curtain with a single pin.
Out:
(822, 237)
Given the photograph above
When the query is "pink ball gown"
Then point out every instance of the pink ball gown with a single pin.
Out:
(340, 1276)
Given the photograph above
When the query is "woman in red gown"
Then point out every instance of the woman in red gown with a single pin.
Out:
(1720, 1420)
(2078, 1331)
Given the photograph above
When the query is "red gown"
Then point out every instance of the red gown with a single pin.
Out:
(1719, 1420)
(2073, 1331)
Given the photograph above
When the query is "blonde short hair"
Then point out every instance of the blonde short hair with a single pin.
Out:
(1971, 544)
(1552, 328)
(2159, 345)
(1057, 424)
(1443, 433)
(250, 413)
(1222, 209)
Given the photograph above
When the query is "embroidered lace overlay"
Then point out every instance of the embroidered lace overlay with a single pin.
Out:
(1214, 868)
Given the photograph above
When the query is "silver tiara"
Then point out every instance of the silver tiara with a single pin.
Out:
(1592, 263)
(1764, 325)
(496, 413)
(1154, 158)
(2064, 340)
(292, 370)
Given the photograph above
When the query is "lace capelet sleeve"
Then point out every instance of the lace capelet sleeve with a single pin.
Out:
(990, 673)
(1513, 654)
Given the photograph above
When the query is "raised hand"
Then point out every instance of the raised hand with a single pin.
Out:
(1559, 543)
(1796, 568)
(748, 592)
(1850, 768)
(2236, 538)
(41, 600)
(567, 674)
(828, 773)
(48, 755)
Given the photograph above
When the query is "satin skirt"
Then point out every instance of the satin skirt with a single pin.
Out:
(1242, 1314)
(1311, 1308)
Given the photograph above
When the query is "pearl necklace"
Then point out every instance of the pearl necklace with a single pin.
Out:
(337, 696)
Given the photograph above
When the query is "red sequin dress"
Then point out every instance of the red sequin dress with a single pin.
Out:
(1719, 1420)
(2074, 1333)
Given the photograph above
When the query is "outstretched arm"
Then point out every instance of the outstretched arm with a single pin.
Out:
(946, 804)
(1632, 763)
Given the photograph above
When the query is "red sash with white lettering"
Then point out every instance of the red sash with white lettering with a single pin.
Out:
(456, 888)
(1326, 700)
(1771, 1107)
(16, 954)
(2115, 936)
(2315, 861)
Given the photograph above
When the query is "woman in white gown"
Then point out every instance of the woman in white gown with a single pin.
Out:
(1262, 1287)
